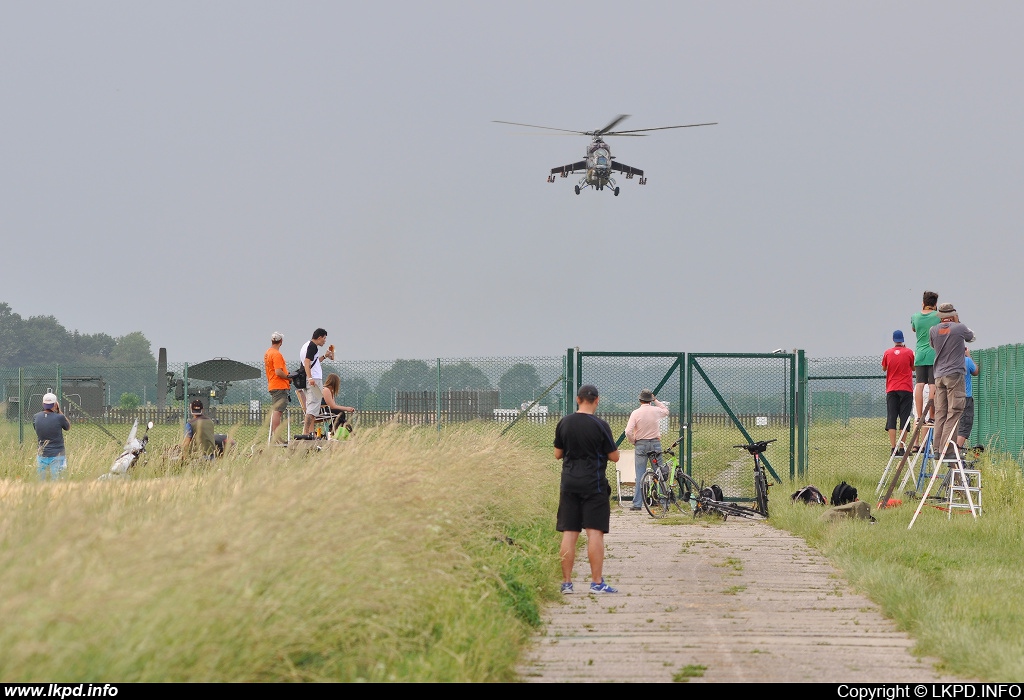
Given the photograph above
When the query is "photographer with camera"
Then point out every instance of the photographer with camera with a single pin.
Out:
(314, 373)
(50, 425)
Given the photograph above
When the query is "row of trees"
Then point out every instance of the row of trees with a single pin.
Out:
(520, 383)
(24, 342)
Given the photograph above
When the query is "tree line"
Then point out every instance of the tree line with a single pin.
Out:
(43, 340)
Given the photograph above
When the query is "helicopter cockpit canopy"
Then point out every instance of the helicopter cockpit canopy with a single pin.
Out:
(602, 158)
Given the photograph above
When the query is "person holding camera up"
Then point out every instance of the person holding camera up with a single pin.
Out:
(314, 376)
(50, 425)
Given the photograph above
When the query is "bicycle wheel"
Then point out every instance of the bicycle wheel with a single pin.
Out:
(658, 496)
(761, 491)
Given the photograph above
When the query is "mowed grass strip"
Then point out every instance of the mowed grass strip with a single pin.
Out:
(953, 583)
(396, 556)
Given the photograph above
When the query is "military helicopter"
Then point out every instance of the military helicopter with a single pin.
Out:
(600, 163)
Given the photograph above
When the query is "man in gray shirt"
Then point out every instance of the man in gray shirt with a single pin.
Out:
(949, 340)
(50, 425)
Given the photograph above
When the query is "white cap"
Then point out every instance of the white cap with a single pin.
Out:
(276, 337)
(49, 399)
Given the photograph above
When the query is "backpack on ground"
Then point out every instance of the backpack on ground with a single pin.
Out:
(809, 494)
(843, 493)
(714, 492)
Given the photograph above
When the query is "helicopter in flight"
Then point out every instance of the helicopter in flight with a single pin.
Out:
(600, 163)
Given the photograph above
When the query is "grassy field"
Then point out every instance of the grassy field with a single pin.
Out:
(953, 583)
(403, 555)
(395, 556)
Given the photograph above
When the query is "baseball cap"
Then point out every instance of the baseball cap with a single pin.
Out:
(587, 391)
(196, 406)
(946, 311)
(49, 399)
(276, 337)
(897, 336)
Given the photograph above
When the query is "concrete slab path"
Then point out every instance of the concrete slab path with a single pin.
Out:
(745, 601)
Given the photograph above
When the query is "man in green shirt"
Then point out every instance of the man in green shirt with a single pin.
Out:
(924, 356)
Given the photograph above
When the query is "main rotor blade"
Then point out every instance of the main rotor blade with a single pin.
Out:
(611, 125)
(657, 128)
(534, 126)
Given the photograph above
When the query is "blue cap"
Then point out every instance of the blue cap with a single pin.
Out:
(897, 336)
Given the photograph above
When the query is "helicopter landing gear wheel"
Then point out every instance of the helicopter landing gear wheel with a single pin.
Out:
(616, 191)
(577, 189)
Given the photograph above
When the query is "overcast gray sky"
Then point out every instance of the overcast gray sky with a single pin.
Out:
(208, 172)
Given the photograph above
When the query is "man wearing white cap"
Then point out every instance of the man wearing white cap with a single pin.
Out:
(50, 425)
(278, 383)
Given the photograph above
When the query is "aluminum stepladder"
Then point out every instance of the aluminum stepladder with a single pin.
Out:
(966, 486)
(901, 442)
(918, 424)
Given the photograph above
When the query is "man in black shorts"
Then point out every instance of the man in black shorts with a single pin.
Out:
(585, 445)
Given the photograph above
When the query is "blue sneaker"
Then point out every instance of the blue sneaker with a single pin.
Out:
(602, 588)
(567, 588)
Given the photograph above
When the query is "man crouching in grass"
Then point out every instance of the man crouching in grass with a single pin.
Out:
(584, 443)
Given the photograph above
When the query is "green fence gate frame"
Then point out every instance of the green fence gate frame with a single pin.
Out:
(574, 376)
(693, 364)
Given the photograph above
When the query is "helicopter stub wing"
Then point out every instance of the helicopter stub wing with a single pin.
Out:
(627, 169)
(571, 168)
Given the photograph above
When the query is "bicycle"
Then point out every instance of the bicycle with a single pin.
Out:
(659, 485)
(756, 449)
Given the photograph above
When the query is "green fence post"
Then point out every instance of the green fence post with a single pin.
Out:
(682, 396)
(570, 381)
(579, 371)
(21, 406)
(792, 416)
(184, 388)
(689, 416)
(60, 395)
(801, 414)
(437, 402)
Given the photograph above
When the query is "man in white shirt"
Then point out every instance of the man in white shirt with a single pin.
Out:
(314, 375)
(644, 431)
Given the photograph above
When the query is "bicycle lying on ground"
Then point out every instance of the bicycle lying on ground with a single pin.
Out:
(665, 486)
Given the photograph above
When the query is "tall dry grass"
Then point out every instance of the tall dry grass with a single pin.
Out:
(396, 556)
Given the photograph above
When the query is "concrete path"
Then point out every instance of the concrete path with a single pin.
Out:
(743, 600)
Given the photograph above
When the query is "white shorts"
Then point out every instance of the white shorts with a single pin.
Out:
(313, 398)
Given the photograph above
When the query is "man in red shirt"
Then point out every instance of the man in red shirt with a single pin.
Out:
(898, 363)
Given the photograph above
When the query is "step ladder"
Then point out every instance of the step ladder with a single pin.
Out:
(969, 487)
(963, 488)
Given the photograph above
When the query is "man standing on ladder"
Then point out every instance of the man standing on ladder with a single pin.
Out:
(948, 340)
(644, 431)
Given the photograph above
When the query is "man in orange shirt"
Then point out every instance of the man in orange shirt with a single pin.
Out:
(278, 383)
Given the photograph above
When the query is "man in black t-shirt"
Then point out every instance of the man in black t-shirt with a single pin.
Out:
(585, 445)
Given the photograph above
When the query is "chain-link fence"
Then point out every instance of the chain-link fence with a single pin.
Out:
(234, 394)
(826, 414)
(845, 417)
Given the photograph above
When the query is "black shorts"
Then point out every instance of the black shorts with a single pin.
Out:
(966, 419)
(898, 405)
(925, 374)
(583, 511)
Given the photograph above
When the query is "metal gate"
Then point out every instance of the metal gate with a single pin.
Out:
(738, 398)
(716, 400)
